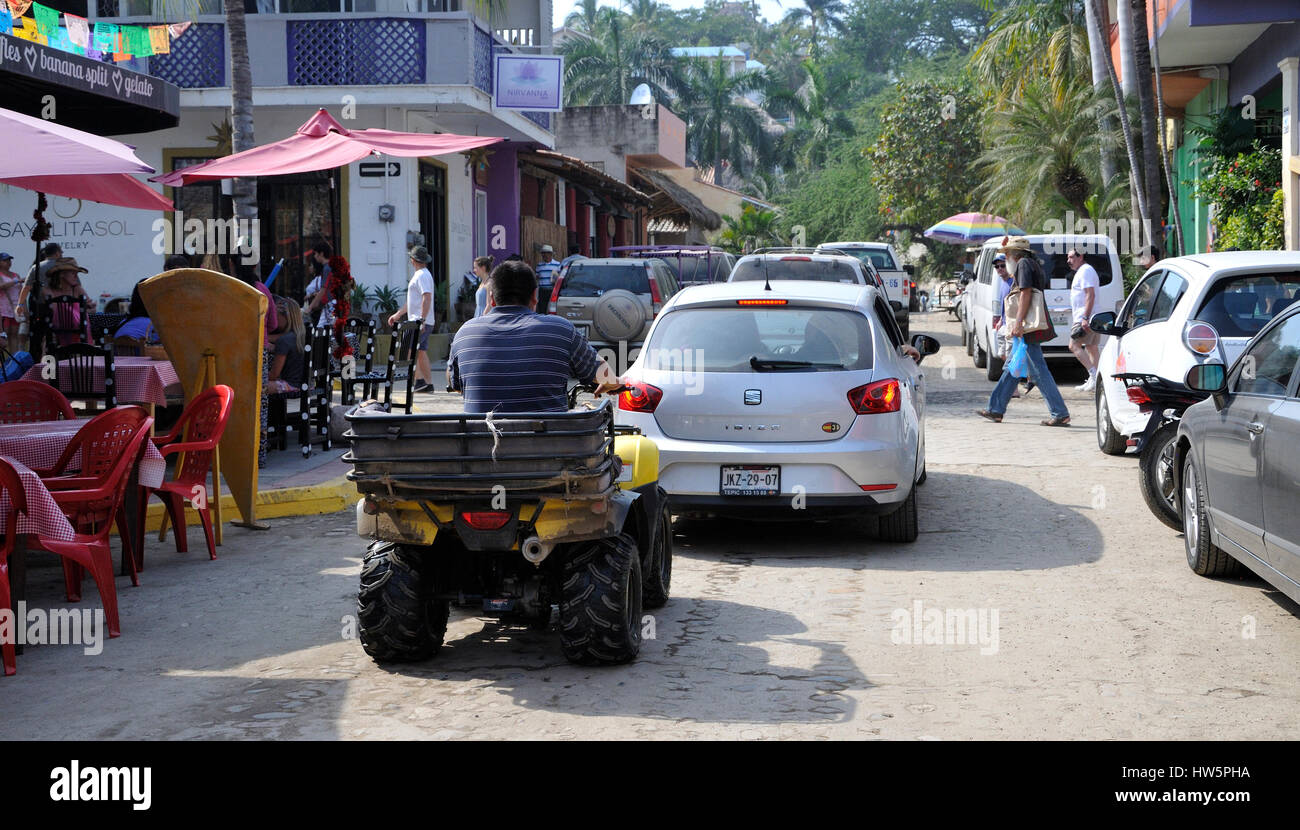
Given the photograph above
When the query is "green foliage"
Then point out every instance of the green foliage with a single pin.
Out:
(721, 124)
(604, 68)
(1033, 40)
(753, 229)
(836, 202)
(1224, 136)
(1248, 202)
(386, 299)
(360, 296)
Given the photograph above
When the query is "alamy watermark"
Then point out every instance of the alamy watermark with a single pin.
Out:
(948, 626)
(57, 626)
(233, 237)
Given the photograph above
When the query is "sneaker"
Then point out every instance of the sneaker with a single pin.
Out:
(1088, 385)
(421, 386)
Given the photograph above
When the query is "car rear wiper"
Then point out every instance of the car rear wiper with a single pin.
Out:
(764, 364)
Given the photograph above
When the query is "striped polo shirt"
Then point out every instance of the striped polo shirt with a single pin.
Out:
(513, 359)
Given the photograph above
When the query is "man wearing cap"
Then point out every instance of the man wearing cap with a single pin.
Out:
(1029, 276)
(546, 269)
(419, 306)
(10, 288)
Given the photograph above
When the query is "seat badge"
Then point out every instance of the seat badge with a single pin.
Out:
(753, 397)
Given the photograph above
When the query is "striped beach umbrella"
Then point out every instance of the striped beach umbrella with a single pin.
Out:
(972, 227)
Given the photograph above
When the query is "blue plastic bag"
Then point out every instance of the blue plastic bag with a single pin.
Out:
(1017, 364)
(16, 366)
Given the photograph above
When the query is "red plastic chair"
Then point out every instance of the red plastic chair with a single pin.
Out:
(11, 488)
(25, 401)
(109, 444)
(91, 550)
(201, 426)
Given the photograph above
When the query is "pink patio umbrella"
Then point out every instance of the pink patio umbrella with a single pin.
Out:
(323, 144)
(121, 189)
(36, 147)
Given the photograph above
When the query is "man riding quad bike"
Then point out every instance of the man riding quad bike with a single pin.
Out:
(518, 508)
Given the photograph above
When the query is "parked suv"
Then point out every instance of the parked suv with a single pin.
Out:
(804, 264)
(692, 264)
(1184, 311)
(1050, 250)
(897, 278)
(613, 301)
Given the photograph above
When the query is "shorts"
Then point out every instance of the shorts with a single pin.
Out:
(425, 331)
(1092, 338)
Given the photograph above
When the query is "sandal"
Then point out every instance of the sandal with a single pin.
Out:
(992, 416)
(1057, 422)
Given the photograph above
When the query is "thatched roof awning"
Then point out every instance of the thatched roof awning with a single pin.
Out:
(579, 172)
(685, 200)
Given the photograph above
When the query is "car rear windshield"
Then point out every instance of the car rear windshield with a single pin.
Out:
(795, 268)
(734, 339)
(1240, 306)
(1053, 257)
(876, 256)
(696, 268)
(594, 280)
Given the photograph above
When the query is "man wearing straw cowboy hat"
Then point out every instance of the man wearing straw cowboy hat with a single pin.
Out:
(1029, 275)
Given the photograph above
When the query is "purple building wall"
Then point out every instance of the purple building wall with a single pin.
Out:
(503, 201)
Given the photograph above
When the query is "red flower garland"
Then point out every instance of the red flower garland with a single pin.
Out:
(339, 288)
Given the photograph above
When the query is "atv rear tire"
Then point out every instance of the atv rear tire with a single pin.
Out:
(397, 619)
(600, 602)
(657, 566)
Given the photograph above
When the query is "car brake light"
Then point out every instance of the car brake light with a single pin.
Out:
(796, 259)
(870, 487)
(656, 299)
(761, 302)
(1138, 395)
(875, 398)
(486, 519)
(639, 397)
(1200, 338)
(553, 306)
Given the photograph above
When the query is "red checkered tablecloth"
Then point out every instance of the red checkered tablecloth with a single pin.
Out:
(39, 444)
(138, 379)
(43, 517)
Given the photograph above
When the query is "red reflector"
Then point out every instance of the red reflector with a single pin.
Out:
(1138, 395)
(761, 302)
(639, 397)
(485, 519)
(875, 398)
(879, 486)
(796, 259)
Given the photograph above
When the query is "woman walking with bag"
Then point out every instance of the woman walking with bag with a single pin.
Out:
(1025, 305)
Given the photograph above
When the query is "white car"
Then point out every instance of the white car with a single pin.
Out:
(783, 403)
(1186, 310)
(1050, 250)
(896, 276)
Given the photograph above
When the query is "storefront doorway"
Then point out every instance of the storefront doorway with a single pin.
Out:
(433, 225)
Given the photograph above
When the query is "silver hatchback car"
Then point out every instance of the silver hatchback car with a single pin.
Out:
(783, 402)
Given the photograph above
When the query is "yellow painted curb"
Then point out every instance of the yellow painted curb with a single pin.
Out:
(317, 499)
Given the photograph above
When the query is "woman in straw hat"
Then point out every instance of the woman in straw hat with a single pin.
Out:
(1028, 276)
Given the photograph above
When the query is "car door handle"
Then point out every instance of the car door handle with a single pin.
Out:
(1255, 428)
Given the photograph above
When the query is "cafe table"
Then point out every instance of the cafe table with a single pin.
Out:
(43, 518)
(140, 380)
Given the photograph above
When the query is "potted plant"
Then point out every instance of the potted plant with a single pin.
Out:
(386, 301)
(360, 296)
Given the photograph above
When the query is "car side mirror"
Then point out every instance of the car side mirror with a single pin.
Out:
(1104, 323)
(1207, 377)
(910, 269)
(896, 305)
(925, 344)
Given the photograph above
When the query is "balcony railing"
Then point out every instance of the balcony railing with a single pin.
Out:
(364, 51)
(197, 60)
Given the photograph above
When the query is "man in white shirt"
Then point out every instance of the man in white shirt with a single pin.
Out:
(419, 306)
(1083, 294)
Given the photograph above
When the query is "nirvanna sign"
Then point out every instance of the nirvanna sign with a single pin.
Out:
(524, 82)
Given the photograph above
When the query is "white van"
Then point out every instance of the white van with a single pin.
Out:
(1050, 249)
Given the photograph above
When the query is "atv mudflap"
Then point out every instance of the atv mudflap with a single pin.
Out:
(553, 520)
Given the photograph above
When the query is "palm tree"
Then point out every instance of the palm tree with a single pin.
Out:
(644, 14)
(605, 68)
(1031, 39)
(753, 229)
(584, 18)
(819, 123)
(1045, 144)
(821, 15)
(722, 124)
(241, 107)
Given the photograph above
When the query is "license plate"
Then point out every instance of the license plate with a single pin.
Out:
(1060, 318)
(750, 480)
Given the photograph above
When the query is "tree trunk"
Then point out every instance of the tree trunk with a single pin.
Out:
(1124, 24)
(241, 110)
(1098, 45)
(1150, 179)
(1136, 194)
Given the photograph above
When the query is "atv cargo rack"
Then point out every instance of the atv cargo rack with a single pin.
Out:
(570, 454)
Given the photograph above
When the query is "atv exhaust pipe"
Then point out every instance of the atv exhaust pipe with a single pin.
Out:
(535, 550)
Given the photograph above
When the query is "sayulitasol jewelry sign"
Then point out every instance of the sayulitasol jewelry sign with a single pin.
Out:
(529, 82)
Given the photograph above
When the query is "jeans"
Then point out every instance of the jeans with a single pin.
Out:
(1039, 374)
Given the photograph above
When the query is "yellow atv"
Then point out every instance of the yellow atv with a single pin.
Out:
(514, 516)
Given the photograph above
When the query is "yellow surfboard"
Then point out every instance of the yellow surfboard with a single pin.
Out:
(198, 313)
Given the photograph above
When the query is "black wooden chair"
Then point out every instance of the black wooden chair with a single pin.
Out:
(77, 367)
(402, 354)
(65, 319)
(365, 372)
(312, 420)
(103, 325)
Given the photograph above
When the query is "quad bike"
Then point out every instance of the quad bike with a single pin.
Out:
(519, 517)
(1165, 401)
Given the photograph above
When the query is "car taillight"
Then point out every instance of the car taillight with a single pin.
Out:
(1138, 395)
(553, 306)
(873, 487)
(639, 397)
(1200, 338)
(796, 259)
(761, 302)
(656, 299)
(878, 397)
(486, 519)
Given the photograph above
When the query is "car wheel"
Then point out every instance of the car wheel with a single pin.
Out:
(1108, 440)
(995, 367)
(900, 526)
(1156, 475)
(981, 356)
(964, 336)
(1204, 557)
(970, 340)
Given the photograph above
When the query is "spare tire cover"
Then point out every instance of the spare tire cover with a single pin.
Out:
(618, 315)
